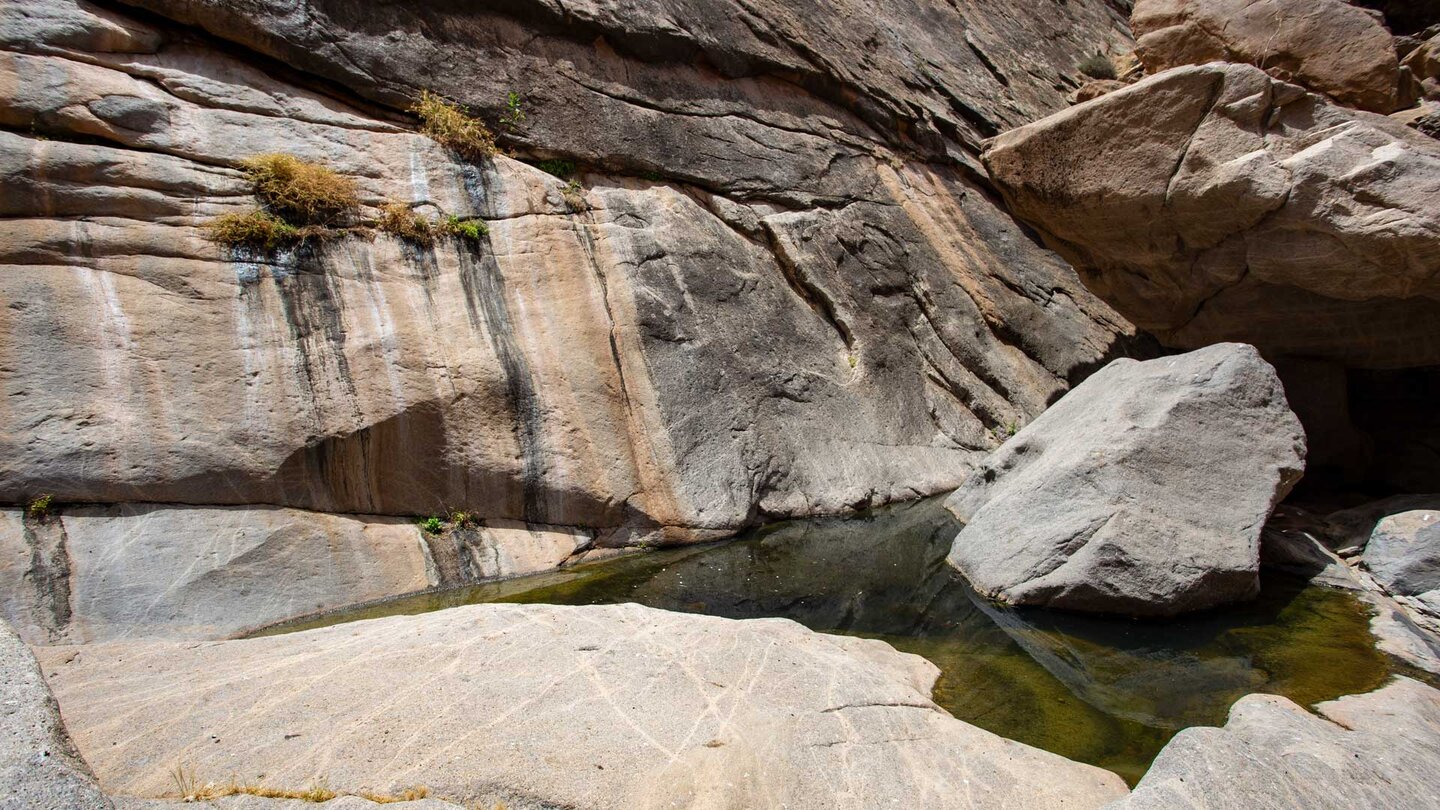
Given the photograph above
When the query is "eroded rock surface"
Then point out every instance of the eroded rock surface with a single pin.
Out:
(806, 312)
(1143, 491)
(531, 705)
(1216, 203)
(1376, 750)
(1329, 46)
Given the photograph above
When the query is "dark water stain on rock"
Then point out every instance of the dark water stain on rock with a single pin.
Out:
(48, 572)
(1110, 692)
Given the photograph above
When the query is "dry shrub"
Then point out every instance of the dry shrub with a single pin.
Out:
(1098, 66)
(400, 220)
(451, 127)
(252, 228)
(303, 193)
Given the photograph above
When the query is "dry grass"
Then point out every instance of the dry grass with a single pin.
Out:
(398, 219)
(252, 228)
(302, 193)
(451, 127)
(192, 791)
(1098, 66)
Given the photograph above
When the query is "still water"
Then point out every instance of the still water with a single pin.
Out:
(1105, 691)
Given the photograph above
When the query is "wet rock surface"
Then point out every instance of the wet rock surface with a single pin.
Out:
(551, 706)
(1143, 491)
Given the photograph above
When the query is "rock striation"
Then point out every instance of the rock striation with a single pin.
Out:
(1143, 491)
(1376, 750)
(778, 288)
(1217, 203)
(1328, 46)
(546, 706)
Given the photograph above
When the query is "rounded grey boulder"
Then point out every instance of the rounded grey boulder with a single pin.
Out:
(1143, 491)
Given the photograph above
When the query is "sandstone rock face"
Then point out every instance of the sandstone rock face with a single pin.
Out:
(104, 572)
(545, 706)
(1328, 46)
(1376, 750)
(1216, 203)
(810, 311)
(1143, 491)
(39, 767)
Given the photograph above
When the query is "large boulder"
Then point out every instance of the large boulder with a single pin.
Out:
(546, 706)
(39, 767)
(1380, 749)
(1328, 46)
(1143, 491)
(1217, 203)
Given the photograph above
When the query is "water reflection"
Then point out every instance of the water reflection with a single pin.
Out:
(1099, 690)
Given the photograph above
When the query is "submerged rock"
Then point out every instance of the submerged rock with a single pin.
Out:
(1328, 46)
(1216, 203)
(1376, 750)
(1143, 491)
(39, 767)
(602, 707)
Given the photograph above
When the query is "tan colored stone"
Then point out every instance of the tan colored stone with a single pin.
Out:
(1215, 203)
(1328, 46)
(534, 705)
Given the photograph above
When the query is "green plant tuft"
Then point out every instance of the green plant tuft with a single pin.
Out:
(300, 192)
(252, 228)
(559, 167)
(513, 116)
(1098, 66)
(452, 128)
(471, 229)
(40, 507)
(432, 525)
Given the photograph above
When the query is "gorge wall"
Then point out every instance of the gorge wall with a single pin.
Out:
(781, 287)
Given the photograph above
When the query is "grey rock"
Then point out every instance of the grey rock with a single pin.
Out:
(1380, 749)
(39, 766)
(97, 573)
(1143, 491)
(536, 705)
(1404, 552)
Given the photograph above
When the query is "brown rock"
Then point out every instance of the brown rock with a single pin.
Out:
(1328, 46)
(1093, 90)
(1215, 203)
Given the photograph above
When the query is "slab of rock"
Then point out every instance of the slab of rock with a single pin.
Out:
(1404, 552)
(1143, 491)
(96, 573)
(39, 767)
(547, 706)
(1217, 203)
(1328, 46)
(1381, 749)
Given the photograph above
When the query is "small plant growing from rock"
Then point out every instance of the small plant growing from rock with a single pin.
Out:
(399, 219)
(514, 115)
(432, 525)
(39, 508)
(461, 519)
(471, 229)
(559, 167)
(254, 228)
(1098, 66)
(300, 192)
(1011, 428)
(452, 128)
(574, 195)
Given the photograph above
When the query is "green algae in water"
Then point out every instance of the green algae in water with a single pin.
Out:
(1107, 691)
